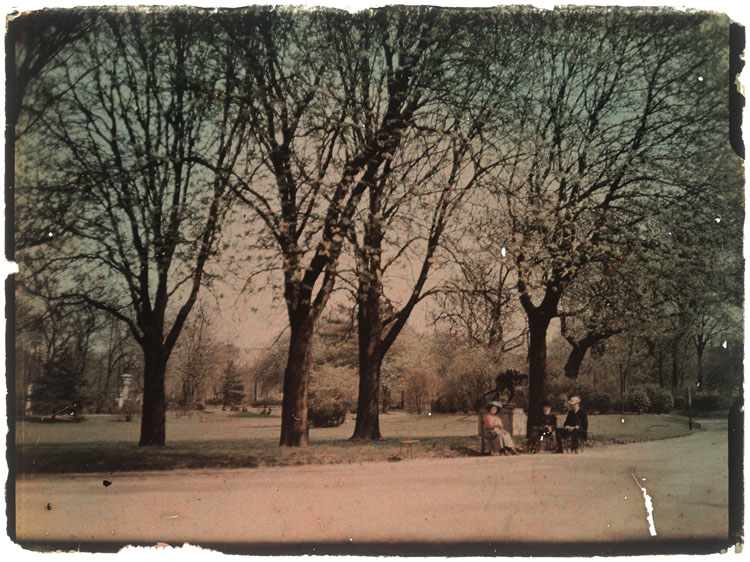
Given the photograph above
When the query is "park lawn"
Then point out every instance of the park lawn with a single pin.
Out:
(223, 440)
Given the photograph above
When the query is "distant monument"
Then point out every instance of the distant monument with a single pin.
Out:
(27, 404)
(507, 380)
(127, 388)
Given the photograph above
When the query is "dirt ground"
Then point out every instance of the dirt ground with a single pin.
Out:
(595, 496)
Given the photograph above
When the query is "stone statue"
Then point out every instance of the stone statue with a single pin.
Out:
(507, 380)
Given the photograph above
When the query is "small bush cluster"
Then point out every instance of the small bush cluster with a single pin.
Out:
(637, 401)
(660, 399)
(680, 402)
(326, 410)
(444, 405)
(712, 402)
(332, 394)
(600, 403)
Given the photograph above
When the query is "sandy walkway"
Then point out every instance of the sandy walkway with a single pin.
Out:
(524, 498)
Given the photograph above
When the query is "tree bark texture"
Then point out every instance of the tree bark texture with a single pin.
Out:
(295, 431)
(153, 413)
(538, 318)
(538, 324)
(370, 359)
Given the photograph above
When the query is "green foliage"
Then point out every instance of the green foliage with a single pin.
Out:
(443, 405)
(637, 401)
(712, 402)
(325, 410)
(60, 387)
(724, 367)
(231, 386)
(333, 392)
(464, 373)
(600, 403)
(418, 391)
(680, 401)
(660, 399)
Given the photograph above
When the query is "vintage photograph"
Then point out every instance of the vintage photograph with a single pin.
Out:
(404, 280)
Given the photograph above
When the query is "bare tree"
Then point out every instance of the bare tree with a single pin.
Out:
(194, 354)
(322, 133)
(36, 44)
(139, 139)
(478, 301)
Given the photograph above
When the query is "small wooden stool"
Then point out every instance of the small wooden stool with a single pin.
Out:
(408, 443)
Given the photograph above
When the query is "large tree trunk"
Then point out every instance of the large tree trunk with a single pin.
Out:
(153, 416)
(538, 324)
(539, 318)
(294, 424)
(370, 360)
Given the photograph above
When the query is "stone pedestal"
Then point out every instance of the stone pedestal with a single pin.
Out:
(514, 420)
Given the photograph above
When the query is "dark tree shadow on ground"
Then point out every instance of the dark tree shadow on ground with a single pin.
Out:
(464, 451)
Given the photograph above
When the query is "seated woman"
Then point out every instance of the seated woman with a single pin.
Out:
(540, 433)
(500, 440)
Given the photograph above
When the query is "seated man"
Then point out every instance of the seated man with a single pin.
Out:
(500, 441)
(544, 431)
(576, 425)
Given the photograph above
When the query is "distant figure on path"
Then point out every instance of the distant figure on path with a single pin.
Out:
(575, 426)
(500, 440)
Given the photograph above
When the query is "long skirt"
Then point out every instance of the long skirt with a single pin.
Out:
(500, 439)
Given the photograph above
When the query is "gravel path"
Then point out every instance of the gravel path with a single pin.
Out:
(597, 496)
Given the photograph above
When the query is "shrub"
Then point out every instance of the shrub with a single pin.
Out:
(600, 402)
(332, 394)
(637, 401)
(712, 402)
(443, 405)
(680, 402)
(660, 399)
(418, 391)
(326, 410)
